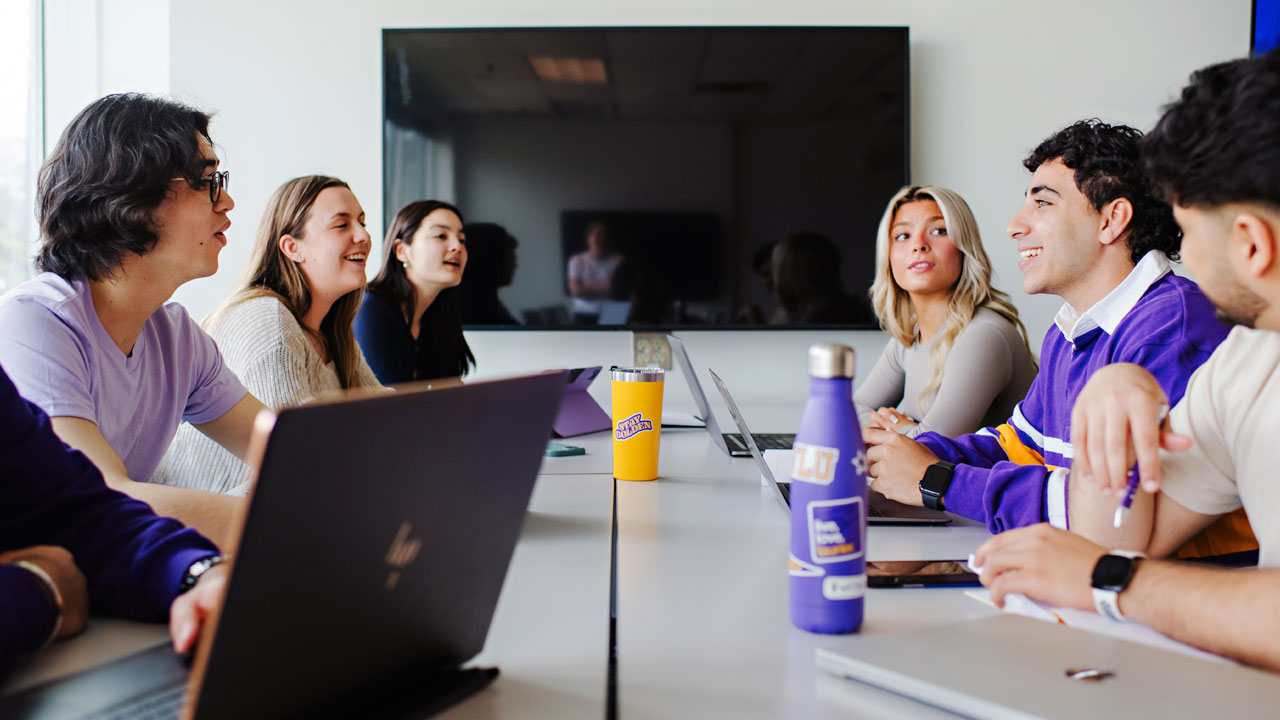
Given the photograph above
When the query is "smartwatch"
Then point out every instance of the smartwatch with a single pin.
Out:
(937, 478)
(198, 568)
(1111, 576)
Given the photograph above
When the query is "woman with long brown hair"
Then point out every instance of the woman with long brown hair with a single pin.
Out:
(957, 358)
(286, 331)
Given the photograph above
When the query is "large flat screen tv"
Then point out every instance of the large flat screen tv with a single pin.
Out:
(653, 178)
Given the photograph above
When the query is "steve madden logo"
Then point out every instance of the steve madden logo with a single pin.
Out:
(631, 427)
(402, 553)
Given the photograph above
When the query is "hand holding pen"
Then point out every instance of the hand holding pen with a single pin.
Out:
(1119, 419)
(1122, 511)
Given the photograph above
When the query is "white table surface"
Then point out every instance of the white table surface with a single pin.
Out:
(702, 598)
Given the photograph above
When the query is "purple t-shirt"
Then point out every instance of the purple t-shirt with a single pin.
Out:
(58, 354)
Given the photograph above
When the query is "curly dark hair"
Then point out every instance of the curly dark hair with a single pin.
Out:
(1107, 166)
(1220, 142)
(111, 169)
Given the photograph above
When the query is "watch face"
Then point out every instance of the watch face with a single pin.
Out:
(1112, 572)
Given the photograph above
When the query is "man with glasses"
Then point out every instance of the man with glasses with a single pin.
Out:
(132, 205)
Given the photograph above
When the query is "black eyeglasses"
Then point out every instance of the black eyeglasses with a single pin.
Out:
(217, 182)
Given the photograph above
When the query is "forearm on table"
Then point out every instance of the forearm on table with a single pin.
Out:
(1093, 514)
(1228, 612)
(217, 517)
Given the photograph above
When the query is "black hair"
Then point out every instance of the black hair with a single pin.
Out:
(1107, 166)
(1220, 142)
(443, 350)
(112, 167)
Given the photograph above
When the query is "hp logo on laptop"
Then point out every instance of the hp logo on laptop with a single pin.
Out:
(402, 553)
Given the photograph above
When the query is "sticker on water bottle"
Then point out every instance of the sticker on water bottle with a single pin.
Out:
(844, 587)
(630, 427)
(814, 463)
(799, 568)
(835, 530)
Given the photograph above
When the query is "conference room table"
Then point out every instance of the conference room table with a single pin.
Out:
(697, 623)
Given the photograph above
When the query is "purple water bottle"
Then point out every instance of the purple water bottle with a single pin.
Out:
(829, 500)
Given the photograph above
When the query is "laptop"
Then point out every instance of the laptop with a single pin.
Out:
(731, 443)
(880, 509)
(374, 548)
(1008, 666)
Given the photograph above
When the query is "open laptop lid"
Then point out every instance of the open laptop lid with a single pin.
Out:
(695, 387)
(741, 422)
(377, 539)
(1008, 666)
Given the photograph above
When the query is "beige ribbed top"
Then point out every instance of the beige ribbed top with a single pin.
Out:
(265, 346)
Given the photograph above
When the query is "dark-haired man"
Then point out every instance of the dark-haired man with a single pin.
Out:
(132, 206)
(1092, 232)
(1216, 155)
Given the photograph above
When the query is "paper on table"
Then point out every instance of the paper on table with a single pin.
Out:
(1084, 620)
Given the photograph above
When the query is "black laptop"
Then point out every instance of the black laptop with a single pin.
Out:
(731, 443)
(880, 509)
(376, 544)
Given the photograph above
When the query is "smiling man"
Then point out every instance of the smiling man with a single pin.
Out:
(1216, 155)
(132, 206)
(1092, 232)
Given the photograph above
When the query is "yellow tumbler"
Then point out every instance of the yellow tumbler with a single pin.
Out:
(637, 422)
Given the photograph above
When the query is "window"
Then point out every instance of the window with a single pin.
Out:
(21, 138)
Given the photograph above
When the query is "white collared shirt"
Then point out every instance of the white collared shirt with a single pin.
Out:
(1110, 310)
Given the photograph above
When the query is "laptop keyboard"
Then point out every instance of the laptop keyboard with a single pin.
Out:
(161, 704)
(785, 487)
(763, 441)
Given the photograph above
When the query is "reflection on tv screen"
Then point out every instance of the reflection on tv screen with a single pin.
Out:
(660, 178)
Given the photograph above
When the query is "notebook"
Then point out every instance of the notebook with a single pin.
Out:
(375, 545)
(880, 509)
(732, 443)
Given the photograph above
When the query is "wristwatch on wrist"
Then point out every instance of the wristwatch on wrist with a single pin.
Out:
(1111, 576)
(937, 478)
(51, 590)
(198, 568)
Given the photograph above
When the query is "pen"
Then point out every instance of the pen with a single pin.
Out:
(1122, 511)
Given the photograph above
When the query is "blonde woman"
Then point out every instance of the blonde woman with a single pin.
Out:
(957, 358)
(286, 332)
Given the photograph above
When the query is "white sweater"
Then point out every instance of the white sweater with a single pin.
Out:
(272, 355)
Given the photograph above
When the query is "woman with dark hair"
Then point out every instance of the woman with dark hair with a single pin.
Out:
(286, 332)
(410, 323)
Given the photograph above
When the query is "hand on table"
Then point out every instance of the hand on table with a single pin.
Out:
(896, 464)
(1042, 562)
(191, 609)
(61, 568)
(1115, 422)
(887, 418)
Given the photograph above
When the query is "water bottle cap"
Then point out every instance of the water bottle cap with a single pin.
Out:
(830, 360)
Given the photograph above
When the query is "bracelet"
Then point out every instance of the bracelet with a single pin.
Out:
(198, 568)
(50, 589)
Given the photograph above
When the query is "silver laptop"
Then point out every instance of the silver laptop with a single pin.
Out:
(1009, 667)
(367, 572)
(880, 509)
(732, 443)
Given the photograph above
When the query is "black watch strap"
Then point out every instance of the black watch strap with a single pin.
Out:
(934, 484)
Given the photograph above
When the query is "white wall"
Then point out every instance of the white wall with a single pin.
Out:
(297, 87)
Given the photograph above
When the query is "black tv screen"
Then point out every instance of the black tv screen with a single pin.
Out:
(655, 178)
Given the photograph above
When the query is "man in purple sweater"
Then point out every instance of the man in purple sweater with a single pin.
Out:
(69, 544)
(1093, 232)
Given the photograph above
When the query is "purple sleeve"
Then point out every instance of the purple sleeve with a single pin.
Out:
(26, 615)
(47, 358)
(987, 486)
(132, 559)
(215, 389)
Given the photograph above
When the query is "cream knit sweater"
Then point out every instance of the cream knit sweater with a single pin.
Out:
(272, 355)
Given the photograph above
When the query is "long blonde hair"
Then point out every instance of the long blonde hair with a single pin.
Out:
(972, 290)
(272, 274)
